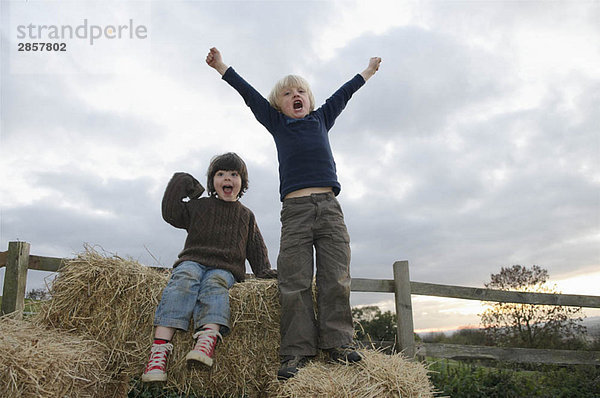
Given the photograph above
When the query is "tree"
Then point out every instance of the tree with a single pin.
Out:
(371, 323)
(38, 294)
(528, 325)
(463, 336)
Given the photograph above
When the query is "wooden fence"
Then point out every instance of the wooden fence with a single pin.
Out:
(17, 261)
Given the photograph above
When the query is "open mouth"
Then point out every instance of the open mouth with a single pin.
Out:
(227, 189)
(298, 104)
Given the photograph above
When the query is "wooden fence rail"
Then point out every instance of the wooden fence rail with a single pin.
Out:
(17, 261)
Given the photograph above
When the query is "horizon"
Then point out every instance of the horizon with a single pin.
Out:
(467, 310)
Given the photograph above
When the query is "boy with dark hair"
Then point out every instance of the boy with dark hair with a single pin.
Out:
(222, 234)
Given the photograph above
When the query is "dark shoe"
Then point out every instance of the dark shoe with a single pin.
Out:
(290, 365)
(345, 353)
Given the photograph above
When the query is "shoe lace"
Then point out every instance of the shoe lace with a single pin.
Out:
(158, 356)
(207, 339)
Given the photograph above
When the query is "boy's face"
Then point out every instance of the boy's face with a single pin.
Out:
(294, 102)
(227, 184)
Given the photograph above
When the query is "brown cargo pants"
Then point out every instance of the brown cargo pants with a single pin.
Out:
(306, 222)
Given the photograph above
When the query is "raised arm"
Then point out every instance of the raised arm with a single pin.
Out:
(174, 210)
(260, 107)
(371, 69)
(215, 61)
(334, 105)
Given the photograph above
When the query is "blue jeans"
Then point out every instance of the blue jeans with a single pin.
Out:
(199, 291)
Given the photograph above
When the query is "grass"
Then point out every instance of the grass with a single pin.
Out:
(462, 379)
(30, 307)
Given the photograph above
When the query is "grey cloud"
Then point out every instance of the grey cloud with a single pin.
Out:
(254, 39)
(425, 78)
(50, 108)
(485, 202)
(117, 196)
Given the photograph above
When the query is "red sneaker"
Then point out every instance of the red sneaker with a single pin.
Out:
(205, 346)
(156, 369)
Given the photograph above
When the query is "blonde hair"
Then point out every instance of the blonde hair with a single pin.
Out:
(291, 81)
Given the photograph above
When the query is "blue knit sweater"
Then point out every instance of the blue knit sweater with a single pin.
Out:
(303, 149)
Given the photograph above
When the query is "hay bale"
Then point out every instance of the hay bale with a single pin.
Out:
(247, 359)
(113, 300)
(37, 362)
(109, 299)
(377, 375)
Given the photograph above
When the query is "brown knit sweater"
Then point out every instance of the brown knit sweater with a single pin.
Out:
(220, 234)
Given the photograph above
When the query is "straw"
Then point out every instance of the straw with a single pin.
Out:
(37, 362)
(112, 300)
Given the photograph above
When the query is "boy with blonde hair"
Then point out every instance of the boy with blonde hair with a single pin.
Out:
(311, 216)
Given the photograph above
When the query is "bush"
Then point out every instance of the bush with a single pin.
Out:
(460, 379)
(371, 323)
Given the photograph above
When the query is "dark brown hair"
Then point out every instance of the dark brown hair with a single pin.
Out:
(228, 162)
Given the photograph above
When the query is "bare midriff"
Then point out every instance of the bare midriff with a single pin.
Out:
(307, 192)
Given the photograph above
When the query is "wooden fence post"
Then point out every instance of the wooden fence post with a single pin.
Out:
(15, 278)
(406, 340)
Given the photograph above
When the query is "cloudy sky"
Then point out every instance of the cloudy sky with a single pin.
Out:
(475, 146)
